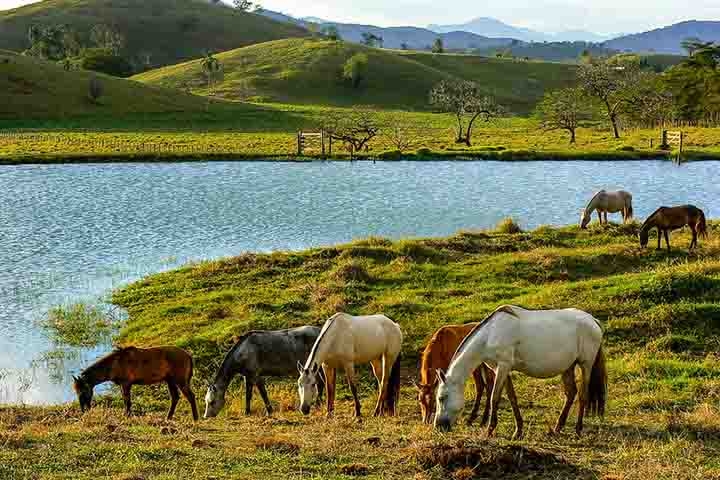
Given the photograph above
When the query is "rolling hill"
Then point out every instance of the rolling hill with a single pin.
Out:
(308, 71)
(667, 39)
(413, 38)
(165, 31)
(31, 88)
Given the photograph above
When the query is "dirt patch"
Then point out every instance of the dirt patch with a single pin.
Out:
(278, 446)
(487, 460)
(355, 470)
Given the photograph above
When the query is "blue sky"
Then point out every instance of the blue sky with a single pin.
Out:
(601, 16)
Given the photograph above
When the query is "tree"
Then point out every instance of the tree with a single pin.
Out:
(397, 132)
(212, 70)
(331, 33)
(243, 5)
(54, 42)
(563, 110)
(438, 46)
(95, 89)
(372, 40)
(356, 128)
(464, 100)
(613, 84)
(355, 69)
(105, 36)
(99, 60)
(404, 46)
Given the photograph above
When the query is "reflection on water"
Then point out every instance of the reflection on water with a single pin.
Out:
(72, 233)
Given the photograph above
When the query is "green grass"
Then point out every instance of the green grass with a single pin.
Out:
(35, 89)
(659, 310)
(309, 71)
(169, 31)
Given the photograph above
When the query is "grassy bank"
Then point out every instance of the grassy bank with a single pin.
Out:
(244, 131)
(660, 311)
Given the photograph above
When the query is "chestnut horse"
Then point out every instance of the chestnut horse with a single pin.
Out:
(437, 354)
(672, 218)
(136, 366)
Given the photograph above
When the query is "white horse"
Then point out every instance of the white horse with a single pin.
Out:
(540, 344)
(344, 341)
(608, 202)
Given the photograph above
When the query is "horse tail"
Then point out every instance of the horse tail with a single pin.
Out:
(393, 388)
(598, 385)
(629, 207)
(702, 225)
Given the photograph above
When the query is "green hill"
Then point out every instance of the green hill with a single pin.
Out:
(31, 88)
(308, 71)
(168, 31)
(517, 84)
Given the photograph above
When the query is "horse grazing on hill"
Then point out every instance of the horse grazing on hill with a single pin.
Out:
(540, 344)
(139, 366)
(344, 341)
(607, 202)
(672, 218)
(259, 354)
(437, 355)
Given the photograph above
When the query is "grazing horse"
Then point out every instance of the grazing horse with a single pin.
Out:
(259, 354)
(344, 341)
(607, 202)
(138, 366)
(437, 354)
(672, 218)
(540, 344)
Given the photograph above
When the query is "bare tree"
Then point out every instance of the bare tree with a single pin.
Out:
(95, 89)
(464, 100)
(243, 5)
(614, 85)
(213, 72)
(563, 110)
(105, 36)
(397, 132)
(355, 128)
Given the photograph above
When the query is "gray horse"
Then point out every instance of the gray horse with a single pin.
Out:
(259, 354)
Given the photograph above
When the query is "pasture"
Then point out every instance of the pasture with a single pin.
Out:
(659, 310)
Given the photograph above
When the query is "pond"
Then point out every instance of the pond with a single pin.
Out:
(72, 233)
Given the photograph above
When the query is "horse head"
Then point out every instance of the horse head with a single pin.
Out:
(307, 386)
(584, 218)
(450, 400)
(214, 401)
(426, 398)
(84, 392)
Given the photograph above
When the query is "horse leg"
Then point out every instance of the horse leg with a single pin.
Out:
(515, 408)
(693, 242)
(584, 394)
(174, 397)
(249, 383)
(605, 215)
(489, 380)
(190, 397)
(321, 386)
(659, 238)
(599, 216)
(568, 379)
(350, 375)
(667, 239)
(377, 368)
(501, 374)
(330, 376)
(126, 387)
(260, 383)
(479, 388)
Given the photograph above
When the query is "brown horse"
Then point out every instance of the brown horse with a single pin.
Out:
(437, 355)
(136, 366)
(666, 219)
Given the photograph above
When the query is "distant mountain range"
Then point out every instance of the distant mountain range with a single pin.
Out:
(667, 39)
(491, 27)
(414, 38)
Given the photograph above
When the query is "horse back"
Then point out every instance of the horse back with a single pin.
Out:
(440, 349)
(148, 366)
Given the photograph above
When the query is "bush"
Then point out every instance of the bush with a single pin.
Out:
(424, 152)
(103, 62)
(508, 225)
(626, 148)
(355, 69)
(95, 89)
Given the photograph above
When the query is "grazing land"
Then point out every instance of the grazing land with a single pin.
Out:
(660, 312)
(162, 32)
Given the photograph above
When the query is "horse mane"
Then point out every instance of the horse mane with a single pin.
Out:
(650, 217)
(593, 198)
(328, 323)
(503, 308)
(232, 350)
(102, 361)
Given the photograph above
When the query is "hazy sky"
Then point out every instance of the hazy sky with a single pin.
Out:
(601, 16)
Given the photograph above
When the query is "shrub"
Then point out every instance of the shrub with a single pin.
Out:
(95, 89)
(626, 148)
(508, 225)
(351, 271)
(103, 62)
(355, 69)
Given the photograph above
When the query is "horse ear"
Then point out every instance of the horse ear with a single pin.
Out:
(441, 375)
(300, 367)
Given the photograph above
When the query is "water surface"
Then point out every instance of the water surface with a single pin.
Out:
(73, 232)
